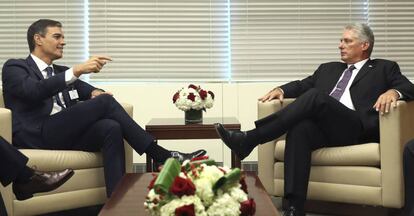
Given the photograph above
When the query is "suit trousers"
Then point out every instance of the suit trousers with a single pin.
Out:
(314, 120)
(12, 162)
(3, 211)
(97, 124)
(408, 167)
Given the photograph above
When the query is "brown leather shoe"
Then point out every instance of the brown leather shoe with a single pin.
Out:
(41, 182)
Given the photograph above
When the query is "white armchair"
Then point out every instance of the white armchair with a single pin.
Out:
(369, 174)
(85, 188)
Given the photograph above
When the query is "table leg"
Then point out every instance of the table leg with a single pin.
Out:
(235, 160)
(149, 163)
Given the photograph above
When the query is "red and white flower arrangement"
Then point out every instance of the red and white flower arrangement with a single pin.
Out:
(193, 97)
(198, 187)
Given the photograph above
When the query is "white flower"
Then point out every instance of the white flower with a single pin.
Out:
(206, 202)
(169, 208)
(193, 97)
(238, 194)
(224, 205)
(204, 191)
(152, 202)
(209, 101)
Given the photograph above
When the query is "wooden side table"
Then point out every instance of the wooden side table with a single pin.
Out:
(176, 128)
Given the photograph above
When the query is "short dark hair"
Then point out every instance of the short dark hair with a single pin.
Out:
(39, 27)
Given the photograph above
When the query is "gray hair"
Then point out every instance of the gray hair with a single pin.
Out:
(364, 34)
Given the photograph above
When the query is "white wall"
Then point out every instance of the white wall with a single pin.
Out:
(154, 100)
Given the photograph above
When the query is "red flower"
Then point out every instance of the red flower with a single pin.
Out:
(191, 97)
(193, 86)
(182, 186)
(212, 94)
(204, 157)
(151, 184)
(176, 96)
(248, 207)
(186, 210)
(203, 94)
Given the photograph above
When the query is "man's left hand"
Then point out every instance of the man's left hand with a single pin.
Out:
(98, 92)
(386, 101)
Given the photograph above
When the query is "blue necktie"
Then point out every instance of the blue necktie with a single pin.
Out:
(49, 73)
(341, 86)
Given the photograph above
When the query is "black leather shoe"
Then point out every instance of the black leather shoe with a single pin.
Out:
(187, 156)
(292, 211)
(41, 182)
(234, 140)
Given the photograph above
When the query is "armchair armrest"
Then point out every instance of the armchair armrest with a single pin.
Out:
(6, 133)
(6, 124)
(266, 152)
(396, 129)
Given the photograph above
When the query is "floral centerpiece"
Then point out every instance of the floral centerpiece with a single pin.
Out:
(192, 100)
(198, 187)
(193, 97)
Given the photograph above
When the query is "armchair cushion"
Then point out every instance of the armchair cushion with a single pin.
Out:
(355, 155)
(63, 159)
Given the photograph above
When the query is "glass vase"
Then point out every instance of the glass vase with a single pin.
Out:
(193, 116)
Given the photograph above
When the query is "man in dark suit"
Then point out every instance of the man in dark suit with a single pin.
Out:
(408, 167)
(26, 181)
(46, 113)
(337, 105)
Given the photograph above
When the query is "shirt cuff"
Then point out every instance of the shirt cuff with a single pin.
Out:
(69, 76)
(399, 93)
(283, 92)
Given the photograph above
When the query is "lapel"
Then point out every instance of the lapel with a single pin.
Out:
(368, 66)
(33, 67)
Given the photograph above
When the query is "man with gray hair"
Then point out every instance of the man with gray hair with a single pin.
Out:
(337, 105)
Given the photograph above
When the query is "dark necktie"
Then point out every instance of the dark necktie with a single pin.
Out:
(49, 73)
(341, 86)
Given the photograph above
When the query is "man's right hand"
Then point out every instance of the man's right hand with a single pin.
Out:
(276, 93)
(92, 65)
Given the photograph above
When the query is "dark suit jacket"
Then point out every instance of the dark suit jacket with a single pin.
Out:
(29, 96)
(375, 77)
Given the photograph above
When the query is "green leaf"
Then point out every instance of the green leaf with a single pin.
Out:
(197, 163)
(228, 180)
(167, 175)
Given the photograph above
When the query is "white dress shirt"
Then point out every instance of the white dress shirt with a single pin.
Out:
(346, 97)
(69, 78)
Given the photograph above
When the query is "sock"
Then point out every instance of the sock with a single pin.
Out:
(24, 175)
(157, 152)
(252, 140)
